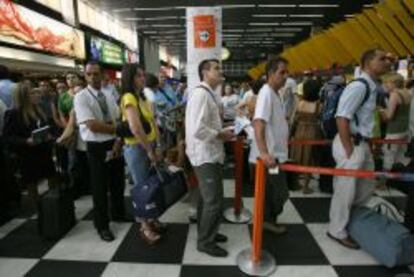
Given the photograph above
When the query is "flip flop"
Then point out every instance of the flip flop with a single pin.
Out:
(341, 242)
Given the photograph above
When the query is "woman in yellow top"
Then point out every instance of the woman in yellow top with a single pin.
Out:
(139, 150)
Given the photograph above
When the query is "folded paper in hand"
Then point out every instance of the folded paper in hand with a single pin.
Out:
(41, 134)
(240, 123)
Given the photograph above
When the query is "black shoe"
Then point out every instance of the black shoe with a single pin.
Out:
(213, 250)
(220, 238)
(106, 235)
(192, 218)
(121, 218)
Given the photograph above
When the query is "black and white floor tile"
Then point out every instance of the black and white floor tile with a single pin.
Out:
(304, 251)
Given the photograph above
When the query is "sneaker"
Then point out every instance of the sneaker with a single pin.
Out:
(213, 250)
(275, 228)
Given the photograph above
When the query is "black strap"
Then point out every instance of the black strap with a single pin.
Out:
(166, 96)
(105, 112)
(211, 94)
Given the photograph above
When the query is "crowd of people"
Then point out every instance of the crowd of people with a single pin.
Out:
(93, 132)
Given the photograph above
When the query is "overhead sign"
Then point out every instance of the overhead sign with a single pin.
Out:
(106, 52)
(204, 39)
(204, 31)
(24, 27)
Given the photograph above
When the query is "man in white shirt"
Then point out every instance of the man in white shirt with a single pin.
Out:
(96, 113)
(204, 140)
(270, 142)
(355, 121)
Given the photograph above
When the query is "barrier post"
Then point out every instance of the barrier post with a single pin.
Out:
(254, 261)
(237, 213)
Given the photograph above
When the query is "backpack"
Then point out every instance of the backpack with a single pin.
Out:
(331, 93)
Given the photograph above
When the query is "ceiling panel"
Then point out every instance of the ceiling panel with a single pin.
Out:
(264, 24)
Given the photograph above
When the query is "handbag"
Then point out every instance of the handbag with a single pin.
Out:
(158, 192)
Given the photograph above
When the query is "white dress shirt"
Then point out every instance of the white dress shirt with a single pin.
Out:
(202, 125)
(87, 108)
(350, 105)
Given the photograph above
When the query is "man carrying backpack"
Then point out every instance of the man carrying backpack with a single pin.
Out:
(355, 123)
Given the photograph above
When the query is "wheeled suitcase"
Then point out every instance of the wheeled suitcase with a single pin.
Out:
(56, 213)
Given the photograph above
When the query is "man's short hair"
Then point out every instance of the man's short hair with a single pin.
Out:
(368, 56)
(205, 65)
(92, 63)
(273, 65)
(4, 72)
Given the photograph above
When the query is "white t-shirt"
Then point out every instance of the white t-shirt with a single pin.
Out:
(229, 105)
(269, 108)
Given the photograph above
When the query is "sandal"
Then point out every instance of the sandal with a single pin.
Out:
(158, 226)
(346, 242)
(149, 236)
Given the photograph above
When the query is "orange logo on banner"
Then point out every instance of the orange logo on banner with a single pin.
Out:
(204, 31)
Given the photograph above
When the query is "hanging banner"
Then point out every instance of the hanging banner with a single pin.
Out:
(204, 39)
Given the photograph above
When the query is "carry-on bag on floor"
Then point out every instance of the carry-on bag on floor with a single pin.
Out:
(56, 213)
(389, 242)
(159, 191)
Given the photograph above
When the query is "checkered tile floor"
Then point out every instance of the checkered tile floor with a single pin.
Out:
(304, 251)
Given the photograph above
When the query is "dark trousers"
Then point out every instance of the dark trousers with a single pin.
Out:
(9, 190)
(276, 194)
(210, 203)
(105, 175)
(409, 210)
(79, 172)
(326, 160)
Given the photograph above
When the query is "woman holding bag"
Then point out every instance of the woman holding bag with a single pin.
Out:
(139, 150)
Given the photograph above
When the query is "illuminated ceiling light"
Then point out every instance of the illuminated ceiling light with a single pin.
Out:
(133, 19)
(368, 5)
(254, 30)
(298, 23)
(238, 6)
(160, 18)
(150, 32)
(155, 9)
(306, 15)
(264, 24)
(172, 32)
(165, 25)
(349, 15)
(269, 15)
(275, 6)
(234, 30)
(232, 35)
(288, 29)
(319, 6)
(122, 10)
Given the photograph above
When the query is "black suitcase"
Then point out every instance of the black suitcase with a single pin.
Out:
(56, 213)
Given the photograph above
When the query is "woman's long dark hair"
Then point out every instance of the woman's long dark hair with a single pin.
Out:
(127, 81)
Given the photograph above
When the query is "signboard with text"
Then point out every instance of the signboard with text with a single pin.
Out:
(106, 52)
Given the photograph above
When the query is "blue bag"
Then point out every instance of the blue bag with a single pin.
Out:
(160, 190)
(147, 198)
(388, 241)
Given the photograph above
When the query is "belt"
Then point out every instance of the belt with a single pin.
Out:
(359, 138)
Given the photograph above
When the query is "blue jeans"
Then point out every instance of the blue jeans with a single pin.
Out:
(138, 162)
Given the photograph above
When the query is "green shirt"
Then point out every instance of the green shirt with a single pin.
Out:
(65, 103)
